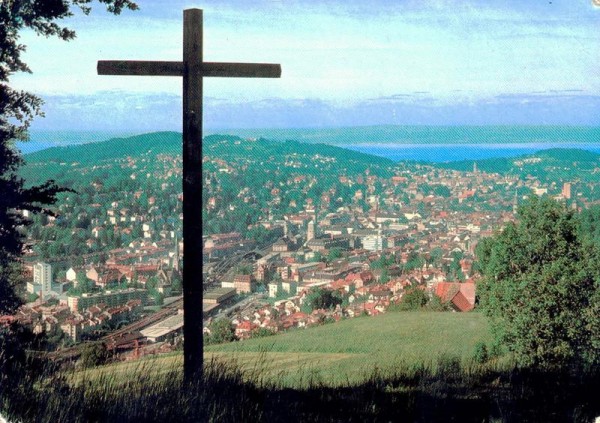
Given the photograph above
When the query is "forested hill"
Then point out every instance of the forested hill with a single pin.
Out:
(62, 163)
(221, 145)
(101, 160)
(574, 161)
(226, 146)
(156, 142)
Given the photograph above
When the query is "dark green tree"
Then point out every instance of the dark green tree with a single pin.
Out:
(317, 257)
(334, 254)
(385, 276)
(17, 109)
(413, 299)
(320, 298)
(221, 330)
(94, 355)
(540, 287)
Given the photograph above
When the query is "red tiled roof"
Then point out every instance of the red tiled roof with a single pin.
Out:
(298, 316)
(468, 290)
(460, 302)
(446, 290)
(242, 279)
(339, 284)
(246, 325)
(461, 295)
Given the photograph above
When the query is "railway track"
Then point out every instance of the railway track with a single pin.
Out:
(113, 337)
(75, 351)
(146, 321)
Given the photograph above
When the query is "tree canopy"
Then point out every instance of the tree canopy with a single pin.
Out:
(17, 110)
(321, 298)
(221, 330)
(540, 287)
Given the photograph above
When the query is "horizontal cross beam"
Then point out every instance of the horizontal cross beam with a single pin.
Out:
(161, 68)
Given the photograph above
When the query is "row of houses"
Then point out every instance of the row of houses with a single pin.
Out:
(74, 323)
(364, 298)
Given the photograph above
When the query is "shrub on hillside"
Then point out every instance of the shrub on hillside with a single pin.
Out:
(221, 330)
(480, 353)
(93, 355)
(413, 299)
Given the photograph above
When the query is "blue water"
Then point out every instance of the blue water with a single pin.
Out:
(431, 152)
(453, 152)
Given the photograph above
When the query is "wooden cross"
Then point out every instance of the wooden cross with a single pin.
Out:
(192, 69)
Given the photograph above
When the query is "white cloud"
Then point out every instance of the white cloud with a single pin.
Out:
(339, 51)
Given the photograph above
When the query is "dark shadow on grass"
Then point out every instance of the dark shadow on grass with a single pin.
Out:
(448, 392)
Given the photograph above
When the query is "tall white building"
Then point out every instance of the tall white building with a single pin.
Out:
(310, 233)
(42, 275)
(373, 242)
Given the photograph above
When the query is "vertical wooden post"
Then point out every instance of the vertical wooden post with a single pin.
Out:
(192, 194)
(193, 69)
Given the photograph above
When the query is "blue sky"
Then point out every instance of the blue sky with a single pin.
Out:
(344, 63)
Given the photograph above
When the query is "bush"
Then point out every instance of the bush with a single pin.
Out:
(221, 330)
(436, 304)
(480, 353)
(448, 366)
(321, 298)
(413, 299)
(93, 355)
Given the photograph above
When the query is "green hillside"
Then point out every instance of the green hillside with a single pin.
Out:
(573, 163)
(231, 147)
(353, 348)
(77, 165)
(569, 155)
(157, 142)
(67, 164)
(225, 146)
(222, 145)
(349, 351)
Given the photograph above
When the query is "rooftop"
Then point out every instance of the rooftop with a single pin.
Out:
(164, 327)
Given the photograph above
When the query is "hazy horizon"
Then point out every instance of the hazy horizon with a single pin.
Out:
(344, 64)
(386, 141)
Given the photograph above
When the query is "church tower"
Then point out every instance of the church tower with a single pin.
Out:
(176, 258)
(310, 232)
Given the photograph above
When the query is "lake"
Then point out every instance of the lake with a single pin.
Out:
(454, 152)
(422, 151)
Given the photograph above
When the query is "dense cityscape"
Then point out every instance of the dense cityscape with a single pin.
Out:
(316, 235)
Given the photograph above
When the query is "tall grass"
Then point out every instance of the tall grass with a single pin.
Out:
(394, 368)
(142, 393)
(447, 389)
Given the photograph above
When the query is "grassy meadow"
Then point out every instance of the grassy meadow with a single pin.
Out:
(405, 366)
(352, 349)
(336, 354)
